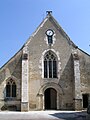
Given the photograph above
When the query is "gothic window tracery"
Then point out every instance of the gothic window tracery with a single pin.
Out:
(11, 88)
(50, 65)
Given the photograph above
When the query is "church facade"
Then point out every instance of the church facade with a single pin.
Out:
(48, 72)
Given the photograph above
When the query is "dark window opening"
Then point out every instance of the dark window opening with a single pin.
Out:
(13, 90)
(10, 89)
(50, 41)
(50, 69)
(45, 69)
(25, 56)
(85, 100)
(50, 66)
(54, 69)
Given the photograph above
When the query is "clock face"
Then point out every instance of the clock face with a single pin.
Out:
(49, 32)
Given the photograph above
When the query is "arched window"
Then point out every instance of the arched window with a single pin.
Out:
(50, 65)
(11, 88)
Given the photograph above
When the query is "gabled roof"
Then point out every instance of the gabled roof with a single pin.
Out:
(13, 57)
(58, 27)
(56, 24)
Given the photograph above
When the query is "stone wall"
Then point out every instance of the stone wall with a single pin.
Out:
(85, 74)
(37, 45)
(26, 68)
(11, 70)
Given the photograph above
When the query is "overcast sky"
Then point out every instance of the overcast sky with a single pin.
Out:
(20, 18)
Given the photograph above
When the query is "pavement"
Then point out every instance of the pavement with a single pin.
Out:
(45, 115)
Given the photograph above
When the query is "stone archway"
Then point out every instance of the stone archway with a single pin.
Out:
(58, 91)
(50, 99)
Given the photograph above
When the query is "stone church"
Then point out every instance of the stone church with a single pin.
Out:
(48, 72)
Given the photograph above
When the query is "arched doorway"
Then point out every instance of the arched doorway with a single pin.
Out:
(50, 95)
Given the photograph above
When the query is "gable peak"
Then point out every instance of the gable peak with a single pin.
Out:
(48, 12)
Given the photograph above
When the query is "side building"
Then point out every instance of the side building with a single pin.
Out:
(48, 72)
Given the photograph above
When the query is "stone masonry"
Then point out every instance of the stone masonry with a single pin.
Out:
(48, 72)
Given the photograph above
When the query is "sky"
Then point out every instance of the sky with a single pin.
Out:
(20, 18)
